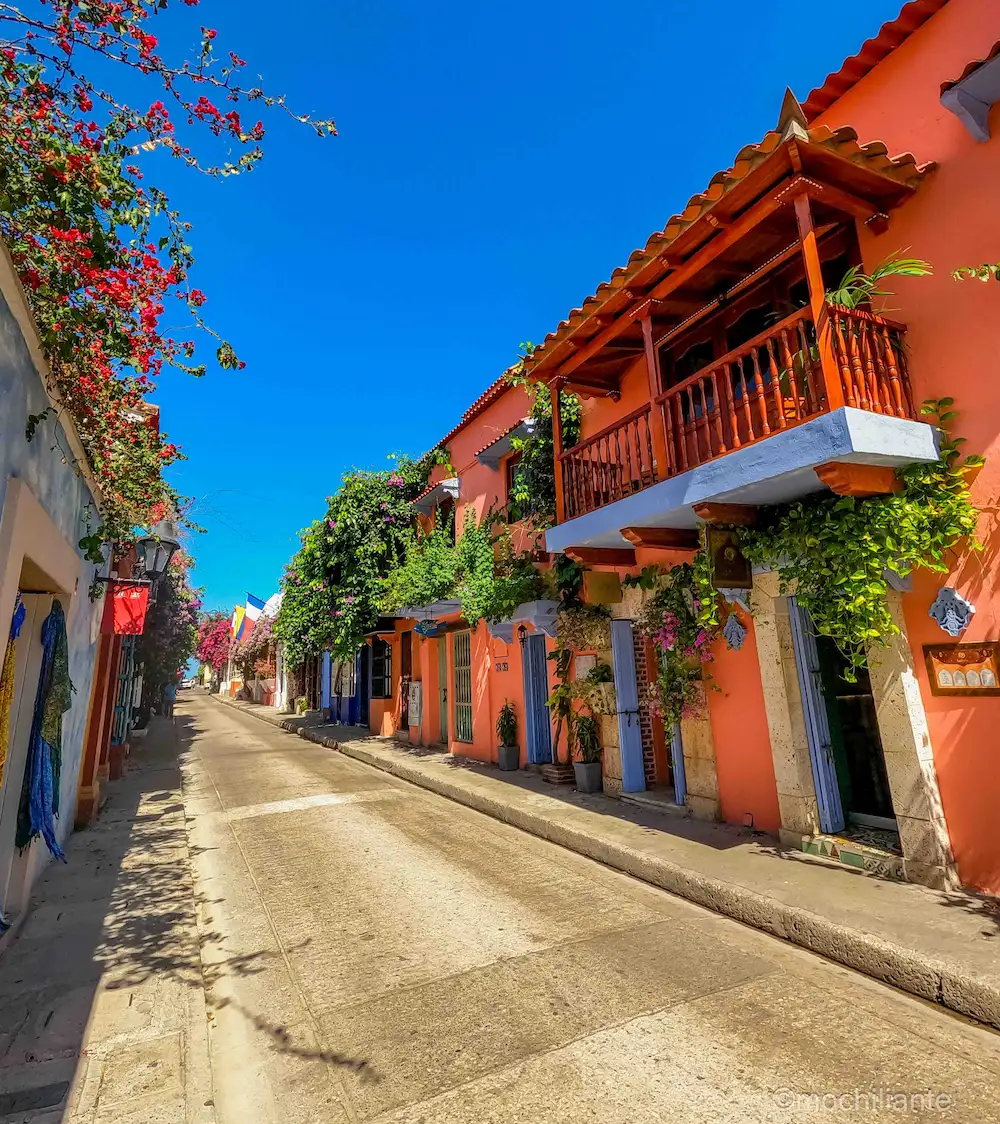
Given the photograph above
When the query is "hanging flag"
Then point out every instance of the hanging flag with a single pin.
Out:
(236, 624)
(125, 609)
(253, 608)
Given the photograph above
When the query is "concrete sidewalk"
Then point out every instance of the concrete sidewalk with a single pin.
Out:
(944, 947)
(102, 1002)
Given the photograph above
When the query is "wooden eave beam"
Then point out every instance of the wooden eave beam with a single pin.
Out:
(668, 538)
(601, 555)
(858, 480)
(736, 514)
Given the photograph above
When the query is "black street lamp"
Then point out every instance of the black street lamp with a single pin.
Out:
(155, 550)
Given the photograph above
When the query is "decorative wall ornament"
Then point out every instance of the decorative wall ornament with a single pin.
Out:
(964, 669)
(734, 632)
(729, 564)
(951, 611)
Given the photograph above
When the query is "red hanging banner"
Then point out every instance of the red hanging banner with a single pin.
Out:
(125, 610)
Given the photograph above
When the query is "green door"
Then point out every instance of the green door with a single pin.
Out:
(443, 689)
(462, 655)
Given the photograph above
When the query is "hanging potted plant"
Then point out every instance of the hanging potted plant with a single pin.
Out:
(508, 751)
(588, 741)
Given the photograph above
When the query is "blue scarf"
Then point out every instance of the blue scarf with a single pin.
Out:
(40, 791)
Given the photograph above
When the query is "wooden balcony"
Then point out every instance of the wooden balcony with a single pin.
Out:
(780, 378)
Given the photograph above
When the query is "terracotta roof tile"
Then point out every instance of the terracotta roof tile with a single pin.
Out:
(971, 68)
(843, 141)
(490, 395)
(891, 34)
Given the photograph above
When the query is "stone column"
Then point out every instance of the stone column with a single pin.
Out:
(909, 760)
(700, 774)
(785, 718)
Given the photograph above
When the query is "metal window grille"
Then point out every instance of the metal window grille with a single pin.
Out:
(381, 669)
(462, 653)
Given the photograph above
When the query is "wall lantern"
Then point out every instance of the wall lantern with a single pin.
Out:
(155, 550)
(522, 635)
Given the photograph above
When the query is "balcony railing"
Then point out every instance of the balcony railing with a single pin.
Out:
(610, 465)
(770, 383)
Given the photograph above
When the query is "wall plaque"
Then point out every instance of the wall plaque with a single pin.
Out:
(964, 669)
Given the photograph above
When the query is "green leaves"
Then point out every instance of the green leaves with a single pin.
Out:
(985, 273)
(833, 554)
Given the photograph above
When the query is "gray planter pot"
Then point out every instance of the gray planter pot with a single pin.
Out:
(508, 757)
(588, 777)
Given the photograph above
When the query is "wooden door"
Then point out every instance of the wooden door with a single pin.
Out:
(442, 649)
(627, 690)
(462, 658)
(406, 674)
(537, 717)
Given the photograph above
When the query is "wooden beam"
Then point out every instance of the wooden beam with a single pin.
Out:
(859, 480)
(817, 303)
(557, 448)
(601, 555)
(736, 514)
(670, 538)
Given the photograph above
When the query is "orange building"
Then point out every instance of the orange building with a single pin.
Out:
(716, 378)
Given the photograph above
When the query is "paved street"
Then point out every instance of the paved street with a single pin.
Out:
(377, 952)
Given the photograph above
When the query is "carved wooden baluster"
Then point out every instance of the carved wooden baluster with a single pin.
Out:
(895, 402)
(843, 357)
(607, 471)
(681, 432)
(649, 448)
(761, 400)
(773, 366)
(897, 376)
(789, 363)
(696, 422)
(717, 412)
(704, 426)
(734, 426)
(670, 468)
(586, 482)
(860, 338)
(810, 370)
(747, 412)
(854, 358)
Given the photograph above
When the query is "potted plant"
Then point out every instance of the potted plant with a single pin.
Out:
(588, 768)
(508, 752)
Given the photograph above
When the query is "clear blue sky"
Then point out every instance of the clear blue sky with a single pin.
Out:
(495, 162)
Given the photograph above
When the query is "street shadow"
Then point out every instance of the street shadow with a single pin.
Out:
(122, 915)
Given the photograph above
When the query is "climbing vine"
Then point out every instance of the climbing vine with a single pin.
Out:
(534, 490)
(834, 554)
(681, 619)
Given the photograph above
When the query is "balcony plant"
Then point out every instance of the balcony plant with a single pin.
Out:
(508, 751)
(587, 769)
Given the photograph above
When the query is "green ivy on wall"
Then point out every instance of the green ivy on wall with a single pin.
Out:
(834, 553)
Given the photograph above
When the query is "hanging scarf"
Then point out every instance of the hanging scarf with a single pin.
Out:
(7, 678)
(40, 791)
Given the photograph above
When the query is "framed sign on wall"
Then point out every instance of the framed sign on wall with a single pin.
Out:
(964, 669)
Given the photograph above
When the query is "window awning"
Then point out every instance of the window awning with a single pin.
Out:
(493, 454)
(427, 501)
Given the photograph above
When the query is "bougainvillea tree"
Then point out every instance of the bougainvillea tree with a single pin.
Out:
(334, 587)
(214, 639)
(100, 253)
(252, 654)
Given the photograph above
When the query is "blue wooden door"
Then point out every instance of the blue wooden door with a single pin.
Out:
(537, 719)
(677, 765)
(831, 811)
(627, 691)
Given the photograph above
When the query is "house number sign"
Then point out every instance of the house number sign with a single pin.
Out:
(501, 665)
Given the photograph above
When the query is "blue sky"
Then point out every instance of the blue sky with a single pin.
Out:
(495, 163)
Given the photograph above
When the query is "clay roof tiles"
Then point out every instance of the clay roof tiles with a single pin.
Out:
(971, 68)
(891, 34)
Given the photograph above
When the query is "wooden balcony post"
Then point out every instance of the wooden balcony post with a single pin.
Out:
(656, 427)
(557, 448)
(817, 303)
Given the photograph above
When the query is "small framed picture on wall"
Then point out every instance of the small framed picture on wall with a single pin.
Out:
(964, 669)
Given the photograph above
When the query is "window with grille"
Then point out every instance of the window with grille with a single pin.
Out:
(381, 669)
(461, 646)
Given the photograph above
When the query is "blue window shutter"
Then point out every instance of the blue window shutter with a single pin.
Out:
(627, 692)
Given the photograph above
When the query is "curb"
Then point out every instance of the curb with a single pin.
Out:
(890, 963)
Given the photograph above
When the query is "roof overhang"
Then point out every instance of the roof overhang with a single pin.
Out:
(724, 236)
(446, 489)
(972, 96)
(494, 453)
(435, 610)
